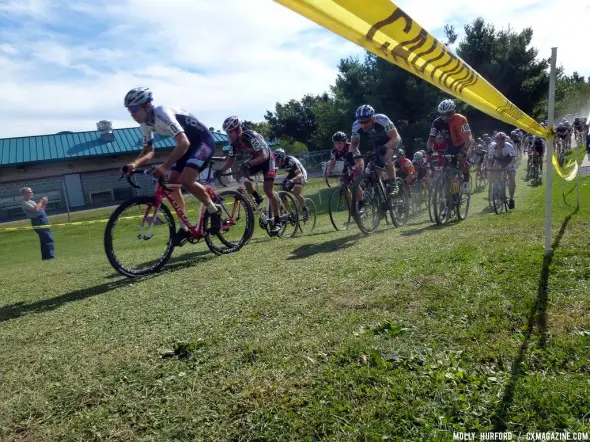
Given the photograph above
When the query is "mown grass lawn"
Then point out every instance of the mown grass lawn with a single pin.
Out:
(407, 334)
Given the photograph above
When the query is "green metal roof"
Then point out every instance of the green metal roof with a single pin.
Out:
(71, 145)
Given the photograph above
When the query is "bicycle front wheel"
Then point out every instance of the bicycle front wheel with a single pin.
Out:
(441, 201)
(289, 215)
(339, 208)
(138, 238)
(497, 198)
(463, 202)
(366, 211)
(399, 205)
(307, 221)
(237, 223)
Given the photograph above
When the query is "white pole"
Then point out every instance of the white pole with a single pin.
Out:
(549, 155)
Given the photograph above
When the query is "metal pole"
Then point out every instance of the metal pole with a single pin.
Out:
(66, 198)
(549, 155)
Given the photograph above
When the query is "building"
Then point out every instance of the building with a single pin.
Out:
(77, 169)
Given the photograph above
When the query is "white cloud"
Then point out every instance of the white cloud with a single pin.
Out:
(212, 58)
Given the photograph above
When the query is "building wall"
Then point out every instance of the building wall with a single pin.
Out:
(96, 174)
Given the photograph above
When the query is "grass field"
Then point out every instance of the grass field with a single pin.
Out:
(407, 334)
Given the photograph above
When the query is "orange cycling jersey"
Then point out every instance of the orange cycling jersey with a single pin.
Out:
(454, 132)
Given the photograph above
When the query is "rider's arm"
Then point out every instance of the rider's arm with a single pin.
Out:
(229, 162)
(394, 139)
(330, 166)
(259, 159)
(146, 155)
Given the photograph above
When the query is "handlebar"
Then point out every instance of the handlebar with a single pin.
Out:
(149, 171)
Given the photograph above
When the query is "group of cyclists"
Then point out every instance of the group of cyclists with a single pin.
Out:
(450, 135)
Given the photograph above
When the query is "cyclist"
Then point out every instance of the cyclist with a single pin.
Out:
(479, 154)
(539, 148)
(262, 160)
(191, 155)
(296, 178)
(341, 153)
(457, 133)
(568, 137)
(422, 166)
(562, 133)
(383, 136)
(578, 129)
(405, 167)
(502, 154)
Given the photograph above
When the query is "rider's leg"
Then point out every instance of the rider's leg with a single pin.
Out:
(387, 158)
(272, 196)
(511, 182)
(177, 194)
(298, 192)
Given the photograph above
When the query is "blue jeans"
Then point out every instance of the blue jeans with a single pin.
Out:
(45, 236)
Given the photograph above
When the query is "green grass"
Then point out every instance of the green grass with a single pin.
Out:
(407, 334)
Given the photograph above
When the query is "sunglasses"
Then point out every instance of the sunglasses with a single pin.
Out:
(133, 109)
(447, 114)
(363, 122)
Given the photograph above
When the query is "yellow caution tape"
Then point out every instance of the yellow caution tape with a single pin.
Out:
(388, 32)
(568, 172)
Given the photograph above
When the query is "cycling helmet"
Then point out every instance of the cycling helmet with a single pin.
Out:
(280, 154)
(400, 153)
(446, 106)
(485, 136)
(577, 120)
(560, 126)
(231, 123)
(538, 141)
(500, 136)
(563, 120)
(418, 156)
(339, 136)
(137, 96)
(364, 111)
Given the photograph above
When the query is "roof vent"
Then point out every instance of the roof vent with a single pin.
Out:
(106, 130)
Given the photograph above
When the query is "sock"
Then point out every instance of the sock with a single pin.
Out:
(212, 208)
(277, 219)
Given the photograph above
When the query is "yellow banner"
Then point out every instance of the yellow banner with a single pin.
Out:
(388, 32)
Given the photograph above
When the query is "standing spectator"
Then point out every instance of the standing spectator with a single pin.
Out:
(38, 216)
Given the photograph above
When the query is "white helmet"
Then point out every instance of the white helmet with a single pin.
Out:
(231, 123)
(137, 96)
(446, 106)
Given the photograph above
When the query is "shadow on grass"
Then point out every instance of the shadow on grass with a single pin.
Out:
(537, 319)
(430, 226)
(325, 247)
(19, 309)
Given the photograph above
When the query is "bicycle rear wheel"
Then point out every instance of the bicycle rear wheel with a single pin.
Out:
(237, 221)
(339, 208)
(368, 217)
(138, 238)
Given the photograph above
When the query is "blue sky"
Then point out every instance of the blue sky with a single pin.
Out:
(65, 65)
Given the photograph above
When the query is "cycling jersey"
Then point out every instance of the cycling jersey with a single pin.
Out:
(171, 121)
(502, 156)
(454, 132)
(250, 142)
(293, 166)
(405, 167)
(378, 136)
(561, 132)
(345, 155)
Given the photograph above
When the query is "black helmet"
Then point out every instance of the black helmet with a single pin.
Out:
(339, 136)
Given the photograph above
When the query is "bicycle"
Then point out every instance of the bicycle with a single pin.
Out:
(157, 228)
(449, 196)
(560, 152)
(376, 200)
(288, 209)
(340, 204)
(498, 193)
(535, 169)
